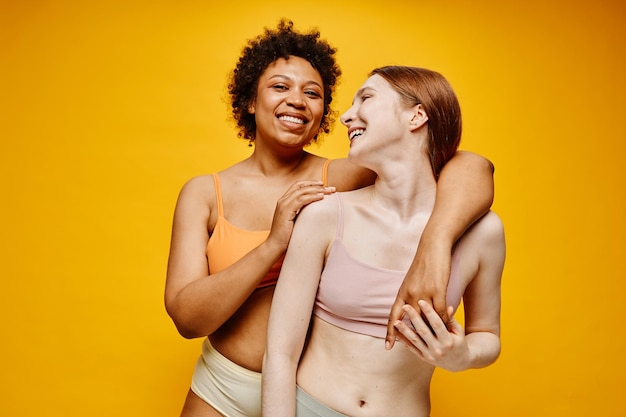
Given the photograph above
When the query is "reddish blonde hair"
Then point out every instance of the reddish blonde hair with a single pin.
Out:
(434, 93)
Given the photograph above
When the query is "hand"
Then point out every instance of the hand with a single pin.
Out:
(427, 279)
(289, 205)
(432, 341)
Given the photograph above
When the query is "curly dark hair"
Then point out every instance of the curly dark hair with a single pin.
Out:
(266, 48)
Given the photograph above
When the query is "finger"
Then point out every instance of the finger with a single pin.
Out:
(309, 193)
(305, 183)
(441, 307)
(310, 186)
(300, 195)
(302, 187)
(411, 337)
(455, 327)
(433, 321)
(421, 326)
(396, 314)
(450, 322)
(408, 345)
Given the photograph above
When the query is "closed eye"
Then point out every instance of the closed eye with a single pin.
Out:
(313, 93)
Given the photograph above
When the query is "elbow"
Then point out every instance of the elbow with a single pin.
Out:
(488, 165)
(186, 324)
(490, 351)
(480, 161)
(188, 332)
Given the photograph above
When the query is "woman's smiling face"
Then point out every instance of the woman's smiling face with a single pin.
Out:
(374, 119)
(289, 103)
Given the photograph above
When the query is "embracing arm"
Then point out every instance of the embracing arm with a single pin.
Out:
(198, 303)
(464, 193)
(291, 311)
(478, 345)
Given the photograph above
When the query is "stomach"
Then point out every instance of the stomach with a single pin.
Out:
(355, 375)
(242, 337)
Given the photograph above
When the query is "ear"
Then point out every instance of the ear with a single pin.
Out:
(418, 117)
(252, 106)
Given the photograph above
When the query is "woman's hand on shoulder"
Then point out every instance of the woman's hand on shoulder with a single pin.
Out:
(299, 195)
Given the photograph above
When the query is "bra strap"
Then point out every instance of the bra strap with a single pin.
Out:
(218, 195)
(325, 172)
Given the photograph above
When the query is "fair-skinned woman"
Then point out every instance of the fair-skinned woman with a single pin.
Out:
(349, 253)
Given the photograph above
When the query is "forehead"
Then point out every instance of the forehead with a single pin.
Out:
(376, 83)
(294, 68)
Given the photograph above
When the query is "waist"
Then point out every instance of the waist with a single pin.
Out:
(243, 336)
(355, 375)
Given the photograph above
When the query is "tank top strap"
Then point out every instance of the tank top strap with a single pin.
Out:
(325, 172)
(218, 195)
(339, 216)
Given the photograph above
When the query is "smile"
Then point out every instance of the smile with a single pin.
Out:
(355, 133)
(292, 119)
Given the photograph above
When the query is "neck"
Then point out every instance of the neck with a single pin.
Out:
(270, 163)
(406, 185)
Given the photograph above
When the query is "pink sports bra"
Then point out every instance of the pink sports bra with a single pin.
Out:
(357, 297)
(228, 243)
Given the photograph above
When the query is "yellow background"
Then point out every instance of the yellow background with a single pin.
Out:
(108, 107)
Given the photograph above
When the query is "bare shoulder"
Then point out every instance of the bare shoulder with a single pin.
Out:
(490, 224)
(196, 201)
(485, 239)
(318, 217)
(488, 230)
(320, 211)
(317, 222)
(199, 188)
(346, 175)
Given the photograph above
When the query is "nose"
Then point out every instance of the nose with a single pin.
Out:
(296, 99)
(347, 117)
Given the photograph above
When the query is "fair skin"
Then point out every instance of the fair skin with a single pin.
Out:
(354, 373)
(263, 192)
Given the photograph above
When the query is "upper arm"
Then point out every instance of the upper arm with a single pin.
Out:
(478, 162)
(187, 258)
(296, 289)
(347, 176)
(482, 297)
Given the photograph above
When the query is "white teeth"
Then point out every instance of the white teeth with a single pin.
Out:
(356, 132)
(292, 119)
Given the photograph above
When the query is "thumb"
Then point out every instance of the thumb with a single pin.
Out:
(396, 314)
(453, 325)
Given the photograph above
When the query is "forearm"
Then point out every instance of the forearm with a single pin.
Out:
(204, 304)
(279, 386)
(465, 192)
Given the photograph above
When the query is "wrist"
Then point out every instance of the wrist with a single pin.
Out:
(434, 236)
(272, 249)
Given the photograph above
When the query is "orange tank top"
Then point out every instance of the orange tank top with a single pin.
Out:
(229, 243)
